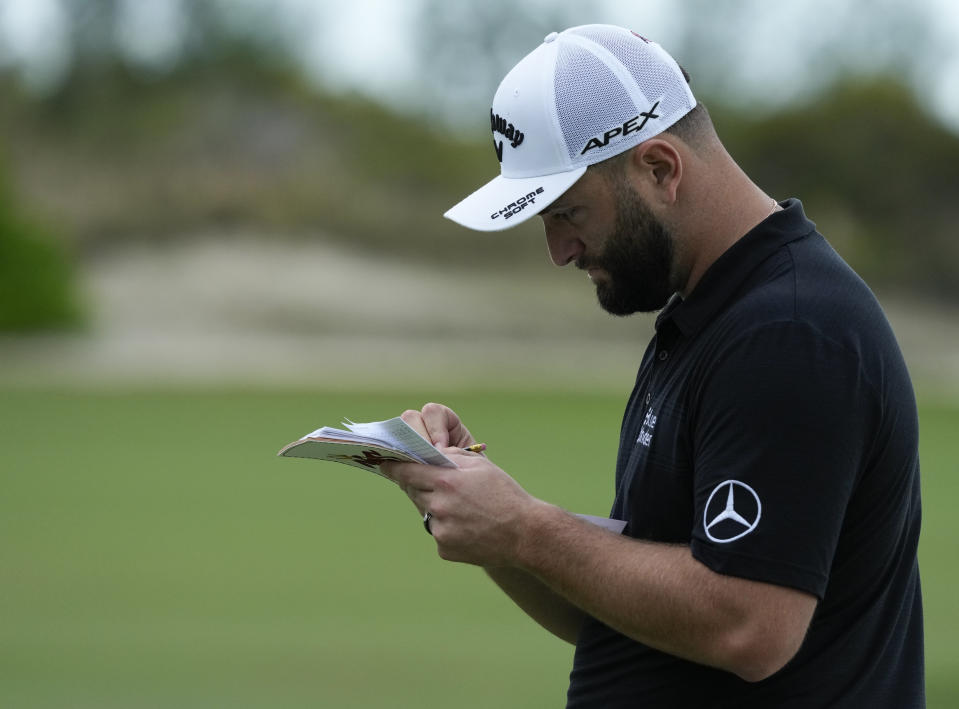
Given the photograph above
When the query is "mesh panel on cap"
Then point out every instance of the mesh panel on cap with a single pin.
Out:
(652, 74)
(590, 99)
(587, 93)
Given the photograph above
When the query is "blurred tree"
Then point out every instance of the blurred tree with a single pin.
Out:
(769, 55)
(875, 169)
(465, 49)
(230, 133)
(157, 37)
(37, 285)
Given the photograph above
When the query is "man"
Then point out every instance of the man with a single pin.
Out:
(768, 469)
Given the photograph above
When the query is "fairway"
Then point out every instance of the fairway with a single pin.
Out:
(155, 553)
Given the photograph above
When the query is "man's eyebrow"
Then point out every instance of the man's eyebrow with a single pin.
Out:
(556, 206)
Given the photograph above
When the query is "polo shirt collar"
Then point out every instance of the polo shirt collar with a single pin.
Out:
(724, 277)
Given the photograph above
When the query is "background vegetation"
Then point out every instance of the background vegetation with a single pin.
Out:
(240, 141)
(234, 133)
(36, 274)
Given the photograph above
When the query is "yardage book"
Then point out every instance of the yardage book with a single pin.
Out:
(367, 445)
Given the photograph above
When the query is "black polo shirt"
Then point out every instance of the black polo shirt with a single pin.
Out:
(773, 428)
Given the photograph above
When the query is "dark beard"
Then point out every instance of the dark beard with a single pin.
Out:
(638, 259)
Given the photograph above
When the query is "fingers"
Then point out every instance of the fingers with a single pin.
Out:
(414, 419)
(438, 420)
(439, 425)
(445, 426)
(417, 482)
(412, 476)
(419, 501)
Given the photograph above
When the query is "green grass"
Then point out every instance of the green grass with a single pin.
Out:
(155, 553)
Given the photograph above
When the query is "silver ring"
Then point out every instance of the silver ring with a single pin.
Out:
(426, 523)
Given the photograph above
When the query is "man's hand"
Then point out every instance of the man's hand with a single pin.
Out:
(478, 511)
(439, 425)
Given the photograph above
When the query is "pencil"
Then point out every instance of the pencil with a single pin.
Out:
(476, 448)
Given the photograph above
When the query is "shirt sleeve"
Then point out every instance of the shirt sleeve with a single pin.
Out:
(780, 433)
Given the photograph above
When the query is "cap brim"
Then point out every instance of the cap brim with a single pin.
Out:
(504, 202)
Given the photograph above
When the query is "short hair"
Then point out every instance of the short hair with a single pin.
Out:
(612, 166)
(694, 128)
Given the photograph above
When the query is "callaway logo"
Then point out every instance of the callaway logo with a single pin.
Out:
(633, 125)
(518, 206)
(498, 124)
(732, 511)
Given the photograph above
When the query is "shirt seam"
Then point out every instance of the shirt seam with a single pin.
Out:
(701, 551)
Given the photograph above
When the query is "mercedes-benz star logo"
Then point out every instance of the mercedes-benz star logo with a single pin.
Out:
(731, 513)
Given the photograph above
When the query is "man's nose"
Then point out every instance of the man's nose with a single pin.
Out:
(563, 247)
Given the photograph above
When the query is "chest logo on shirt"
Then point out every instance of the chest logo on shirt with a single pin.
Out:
(732, 511)
(646, 432)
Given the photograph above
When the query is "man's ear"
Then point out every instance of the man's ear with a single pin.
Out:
(659, 168)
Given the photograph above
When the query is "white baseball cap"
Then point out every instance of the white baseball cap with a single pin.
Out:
(582, 96)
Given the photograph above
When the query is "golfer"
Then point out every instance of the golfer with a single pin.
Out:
(768, 471)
